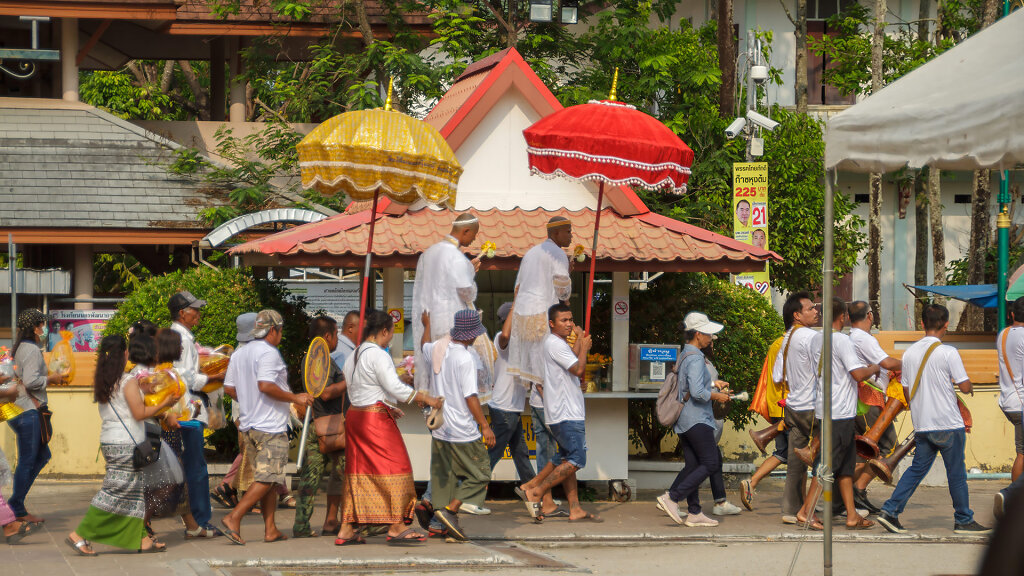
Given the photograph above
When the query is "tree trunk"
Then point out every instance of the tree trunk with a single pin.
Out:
(800, 36)
(201, 95)
(923, 11)
(938, 237)
(974, 317)
(921, 229)
(875, 246)
(726, 60)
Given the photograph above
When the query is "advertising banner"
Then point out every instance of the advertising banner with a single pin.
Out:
(86, 325)
(750, 217)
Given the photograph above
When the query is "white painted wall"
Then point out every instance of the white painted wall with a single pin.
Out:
(496, 171)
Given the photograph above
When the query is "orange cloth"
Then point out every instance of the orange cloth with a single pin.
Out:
(768, 393)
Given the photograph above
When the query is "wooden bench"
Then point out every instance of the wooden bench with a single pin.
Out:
(978, 351)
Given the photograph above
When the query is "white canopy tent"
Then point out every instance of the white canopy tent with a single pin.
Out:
(964, 110)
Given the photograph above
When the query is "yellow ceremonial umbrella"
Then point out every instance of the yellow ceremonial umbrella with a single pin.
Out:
(366, 153)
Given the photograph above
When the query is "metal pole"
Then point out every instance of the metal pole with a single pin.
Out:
(826, 373)
(12, 259)
(1003, 227)
(366, 268)
(593, 258)
(751, 93)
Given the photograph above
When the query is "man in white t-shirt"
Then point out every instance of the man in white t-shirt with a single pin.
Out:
(459, 466)
(563, 366)
(871, 392)
(847, 371)
(1010, 350)
(506, 405)
(796, 367)
(260, 378)
(931, 370)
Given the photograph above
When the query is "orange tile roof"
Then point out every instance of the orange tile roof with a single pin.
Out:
(645, 242)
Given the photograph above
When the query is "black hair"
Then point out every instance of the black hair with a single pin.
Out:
(110, 363)
(793, 305)
(934, 316)
(557, 309)
(742, 202)
(858, 311)
(141, 343)
(322, 326)
(168, 346)
(376, 322)
(1017, 309)
(838, 308)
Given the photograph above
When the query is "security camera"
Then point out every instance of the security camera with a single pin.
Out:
(759, 74)
(735, 128)
(762, 120)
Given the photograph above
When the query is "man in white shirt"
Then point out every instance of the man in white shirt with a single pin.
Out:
(796, 367)
(872, 392)
(346, 338)
(445, 283)
(459, 466)
(564, 413)
(930, 371)
(185, 315)
(260, 379)
(847, 371)
(543, 280)
(1010, 350)
(506, 405)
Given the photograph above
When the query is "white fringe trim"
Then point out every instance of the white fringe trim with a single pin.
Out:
(631, 181)
(608, 159)
(612, 103)
(370, 167)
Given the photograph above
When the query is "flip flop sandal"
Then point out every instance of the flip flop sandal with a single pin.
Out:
(350, 541)
(287, 502)
(200, 532)
(424, 513)
(278, 538)
(533, 508)
(154, 549)
(403, 539)
(80, 546)
(25, 529)
(864, 524)
(522, 494)
(588, 518)
(558, 513)
(231, 535)
(332, 531)
(815, 525)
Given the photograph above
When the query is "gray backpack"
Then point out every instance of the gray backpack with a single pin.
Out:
(668, 406)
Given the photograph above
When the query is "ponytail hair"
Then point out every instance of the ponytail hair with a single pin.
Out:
(376, 322)
(110, 363)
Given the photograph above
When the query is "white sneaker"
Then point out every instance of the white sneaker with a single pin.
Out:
(476, 510)
(666, 505)
(700, 520)
(725, 509)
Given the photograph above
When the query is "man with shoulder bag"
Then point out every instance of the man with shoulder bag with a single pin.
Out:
(325, 448)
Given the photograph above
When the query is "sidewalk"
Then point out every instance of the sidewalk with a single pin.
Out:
(62, 503)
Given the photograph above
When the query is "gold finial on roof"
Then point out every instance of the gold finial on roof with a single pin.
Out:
(615, 84)
(391, 85)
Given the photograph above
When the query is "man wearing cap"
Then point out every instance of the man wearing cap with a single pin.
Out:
(696, 423)
(459, 466)
(260, 377)
(445, 283)
(185, 314)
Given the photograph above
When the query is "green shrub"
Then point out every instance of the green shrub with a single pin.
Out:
(228, 293)
(751, 325)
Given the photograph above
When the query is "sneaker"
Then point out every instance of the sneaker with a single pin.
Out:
(747, 495)
(971, 527)
(890, 523)
(725, 509)
(860, 500)
(700, 520)
(475, 510)
(999, 505)
(451, 521)
(668, 506)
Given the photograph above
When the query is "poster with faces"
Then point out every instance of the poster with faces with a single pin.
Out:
(750, 216)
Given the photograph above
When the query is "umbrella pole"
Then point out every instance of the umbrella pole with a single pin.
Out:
(366, 268)
(593, 258)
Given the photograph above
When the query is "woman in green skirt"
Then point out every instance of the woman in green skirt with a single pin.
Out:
(115, 517)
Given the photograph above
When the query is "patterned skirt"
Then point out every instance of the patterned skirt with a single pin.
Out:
(378, 486)
(115, 516)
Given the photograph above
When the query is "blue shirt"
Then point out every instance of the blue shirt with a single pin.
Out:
(341, 353)
(695, 379)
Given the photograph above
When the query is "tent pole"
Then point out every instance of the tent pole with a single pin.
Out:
(593, 258)
(366, 268)
(1003, 235)
(826, 373)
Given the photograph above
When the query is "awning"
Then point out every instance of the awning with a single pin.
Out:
(983, 295)
(961, 111)
(645, 242)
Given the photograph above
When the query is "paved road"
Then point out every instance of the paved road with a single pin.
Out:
(635, 539)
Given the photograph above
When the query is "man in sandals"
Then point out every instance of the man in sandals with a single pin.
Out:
(931, 370)
(564, 414)
(261, 383)
(847, 371)
(459, 466)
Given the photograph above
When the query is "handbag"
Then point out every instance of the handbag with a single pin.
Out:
(148, 451)
(330, 433)
(45, 424)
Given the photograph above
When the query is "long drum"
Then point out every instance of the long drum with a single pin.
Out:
(884, 467)
(764, 437)
(808, 454)
(867, 445)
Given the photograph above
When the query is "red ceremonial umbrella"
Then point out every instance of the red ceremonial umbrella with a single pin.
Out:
(612, 143)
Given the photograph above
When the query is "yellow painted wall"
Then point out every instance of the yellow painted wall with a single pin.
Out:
(76, 434)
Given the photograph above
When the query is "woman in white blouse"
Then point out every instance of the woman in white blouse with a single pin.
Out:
(378, 487)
